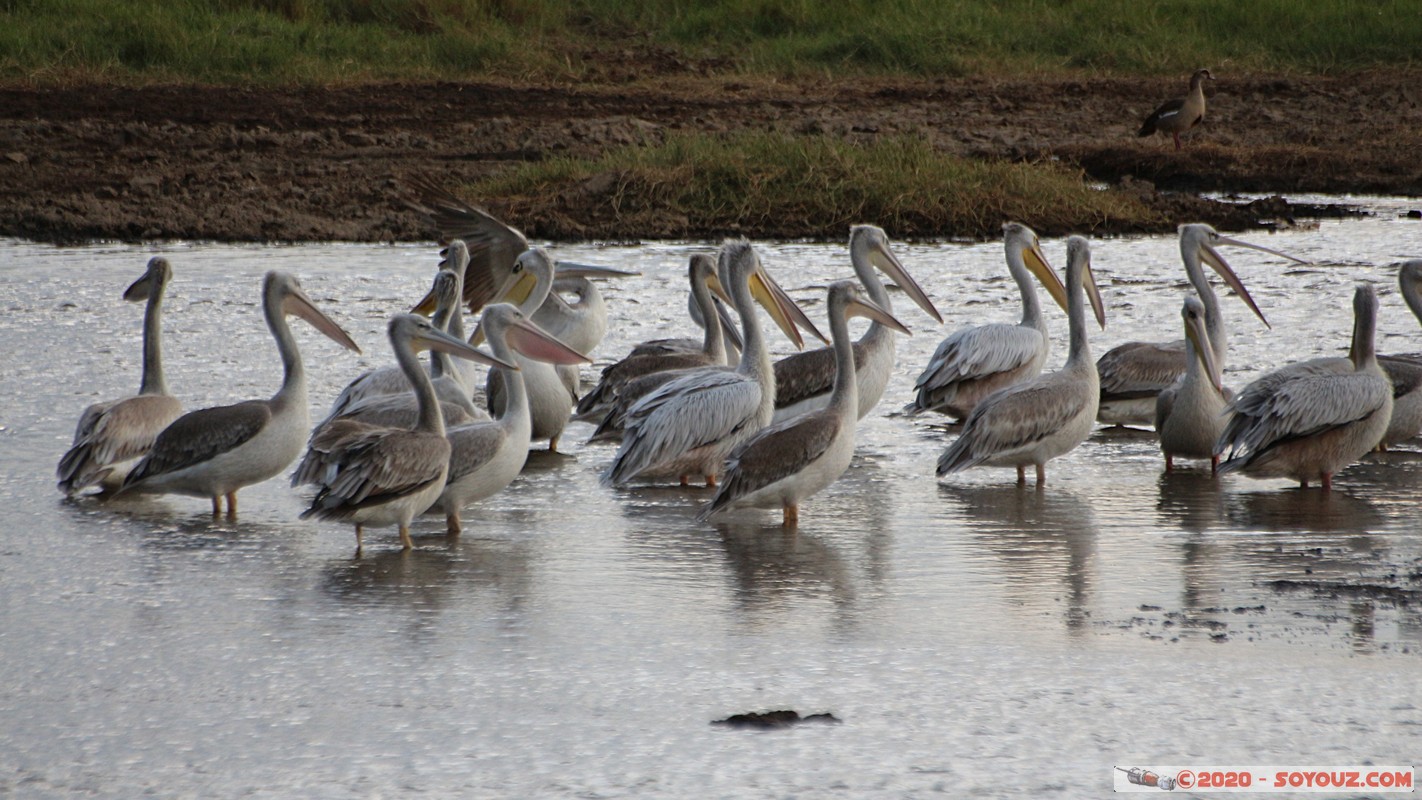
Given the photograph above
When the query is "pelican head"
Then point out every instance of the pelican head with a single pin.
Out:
(503, 323)
(849, 299)
(1409, 281)
(1193, 313)
(703, 272)
(1198, 242)
(869, 242)
(443, 297)
(1022, 243)
(1079, 269)
(738, 265)
(529, 281)
(421, 335)
(154, 278)
(281, 290)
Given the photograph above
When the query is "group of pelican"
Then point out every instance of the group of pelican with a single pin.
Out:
(404, 440)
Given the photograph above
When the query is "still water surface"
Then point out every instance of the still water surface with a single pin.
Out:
(974, 637)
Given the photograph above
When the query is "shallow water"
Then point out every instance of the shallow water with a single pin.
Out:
(974, 637)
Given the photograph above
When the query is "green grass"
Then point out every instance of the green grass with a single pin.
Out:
(327, 41)
(804, 186)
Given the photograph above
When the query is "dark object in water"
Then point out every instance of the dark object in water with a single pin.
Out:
(773, 719)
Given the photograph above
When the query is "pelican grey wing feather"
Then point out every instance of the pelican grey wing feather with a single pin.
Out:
(774, 453)
(1404, 372)
(1303, 404)
(972, 353)
(615, 376)
(471, 447)
(402, 411)
(493, 245)
(696, 409)
(325, 441)
(1165, 403)
(376, 466)
(200, 436)
(615, 420)
(800, 376)
(117, 432)
(1009, 419)
(1140, 369)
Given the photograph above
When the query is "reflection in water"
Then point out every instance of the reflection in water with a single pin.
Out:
(1042, 536)
(1191, 500)
(1310, 510)
(771, 565)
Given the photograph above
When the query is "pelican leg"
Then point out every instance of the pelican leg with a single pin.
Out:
(217, 505)
(1021, 475)
(1169, 462)
(406, 543)
(790, 516)
(1041, 474)
(452, 524)
(685, 480)
(360, 539)
(232, 505)
(553, 445)
(710, 481)
(1214, 465)
(1303, 484)
(1327, 481)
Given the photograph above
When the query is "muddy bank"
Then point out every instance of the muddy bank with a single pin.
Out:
(318, 164)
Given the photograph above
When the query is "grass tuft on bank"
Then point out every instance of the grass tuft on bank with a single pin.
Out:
(344, 41)
(698, 185)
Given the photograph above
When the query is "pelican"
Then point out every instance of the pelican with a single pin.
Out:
(1132, 374)
(730, 334)
(213, 452)
(1405, 371)
(494, 248)
(370, 475)
(701, 272)
(791, 460)
(486, 456)
(974, 362)
(1180, 114)
(1190, 414)
(112, 436)
(385, 390)
(400, 409)
(1041, 418)
(1308, 420)
(689, 424)
(803, 381)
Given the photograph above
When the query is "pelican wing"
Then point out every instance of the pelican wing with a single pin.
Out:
(493, 245)
(978, 352)
(116, 432)
(801, 376)
(471, 447)
(1140, 369)
(1299, 404)
(376, 466)
(775, 453)
(699, 408)
(201, 435)
(1011, 419)
(1404, 372)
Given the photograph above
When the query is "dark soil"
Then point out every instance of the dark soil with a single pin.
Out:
(320, 164)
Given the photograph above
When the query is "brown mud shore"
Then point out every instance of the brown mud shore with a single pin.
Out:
(238, 164)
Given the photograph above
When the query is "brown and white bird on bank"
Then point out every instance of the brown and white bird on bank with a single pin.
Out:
(1044, 417)
(1133, 373)
(112, 436)
(1190, 414)
(213, 452)
(974, 362)
(1179, 114)
(374, 475)
(797, 457)
(1312, 418)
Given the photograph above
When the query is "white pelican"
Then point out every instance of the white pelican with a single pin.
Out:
(1180, 114)
(730, 334)
(1132, 374)
(384, 390)
(701, 272)
(385, 396)
(788, 461)
(1041, 418)
(1308, 420)
(494, 247)
(486, 456)
(689, 424)
(551, 394)
(1190, 414)
(974, 362)
(213, 452)
(370, 475)
(1405, 371)
(803, 381)
(113, 435)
